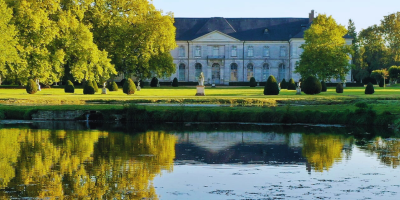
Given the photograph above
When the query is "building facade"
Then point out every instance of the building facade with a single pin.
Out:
(230, 50)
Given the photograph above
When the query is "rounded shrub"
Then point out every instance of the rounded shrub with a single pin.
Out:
(154, 82)
(175, 83)
(122, 82)
(112, 86)
(369, 89)
(69, 88)
(324, 88)
(31, 87)
(253, 82)
(129, 87)
(95, 86)
(271, 86)
(311, 85)
(88, 88)
(381, 82)
(339, 88)
(291, 85)
(284, 84)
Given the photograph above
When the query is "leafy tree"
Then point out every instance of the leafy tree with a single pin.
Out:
(390, 26)
(380, 75)
(8, 40)
(69, 88)
(326, 54)
(136, 35)
(271, 86)
(394, 72)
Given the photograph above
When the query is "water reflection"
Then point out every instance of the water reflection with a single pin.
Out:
(65, 160)
(82, 164)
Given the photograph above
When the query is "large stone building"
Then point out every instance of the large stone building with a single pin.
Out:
(229, 50)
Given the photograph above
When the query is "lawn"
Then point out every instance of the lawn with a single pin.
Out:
(384, 99)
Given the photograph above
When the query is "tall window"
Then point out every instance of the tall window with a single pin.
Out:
(234, 51)
(181, 51)
(265, 72)
(215, 50)
(266, 51)
(250, 51)
(182, 72)
(198, 69)
(283, 52)
(250, 72)
(282, 72)
(234, 67)
(197, 52)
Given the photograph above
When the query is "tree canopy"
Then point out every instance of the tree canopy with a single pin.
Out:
(326, 54)
(84, 40)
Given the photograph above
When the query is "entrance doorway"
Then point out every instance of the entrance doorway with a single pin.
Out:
(216, 73)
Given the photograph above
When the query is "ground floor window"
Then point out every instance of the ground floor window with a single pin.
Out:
(282, 72)
(265, 72)
(250, 71)
(234, 67)
(182, 72)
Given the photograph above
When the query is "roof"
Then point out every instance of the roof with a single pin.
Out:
(245, 29)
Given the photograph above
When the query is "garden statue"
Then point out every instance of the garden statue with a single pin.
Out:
(38, 84)
(201, 79)
(138, 88)
(104, 90)
(298, 91)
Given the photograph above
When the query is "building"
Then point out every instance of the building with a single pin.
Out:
(229, 50)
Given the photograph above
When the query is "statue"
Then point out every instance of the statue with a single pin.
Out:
(138, 88)
(104, 90)
(201, 79)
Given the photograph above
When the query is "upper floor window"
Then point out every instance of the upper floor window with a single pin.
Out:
(234, 51)
(250, 51)
(283, 52)
(266, 51)
(181, 51)
(215, 50)
(197, 52)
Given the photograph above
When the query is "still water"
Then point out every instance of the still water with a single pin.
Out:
(67, 160)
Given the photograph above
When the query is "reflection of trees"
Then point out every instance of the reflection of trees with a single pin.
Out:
(322, 151)
(387, 150)
(82, 164)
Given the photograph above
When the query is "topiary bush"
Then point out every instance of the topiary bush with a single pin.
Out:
(253, 82)
(95, 86)
(112, 86)
(129, 87)
(324, 88)
(369, 89)
(175, 83)
(311, 85)
(69, 88)
(153, 82)
(88, 88)
(284, 84)
(291, 85)
(339, 88)
(381, 82)
(271, 86)
(31, 87)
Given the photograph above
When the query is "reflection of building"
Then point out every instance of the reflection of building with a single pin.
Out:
(247, 148)
(236, 49)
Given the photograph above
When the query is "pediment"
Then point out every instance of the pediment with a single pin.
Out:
(216, 36)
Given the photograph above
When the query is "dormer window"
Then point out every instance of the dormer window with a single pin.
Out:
(181, 51)
(250, 51)
(266, 51)
(234, 51)
(197, 52)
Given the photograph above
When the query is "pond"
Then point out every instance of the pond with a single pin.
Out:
(41, 160)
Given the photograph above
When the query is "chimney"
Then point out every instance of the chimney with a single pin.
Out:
(311, 16)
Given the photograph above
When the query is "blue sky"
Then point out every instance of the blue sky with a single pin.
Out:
(363, 12)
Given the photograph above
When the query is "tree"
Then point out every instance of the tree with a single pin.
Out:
(326, 54)
(394, 73)
(380, 75)
(8, 40)
(136, 35)
(311, 85)
(390, 27)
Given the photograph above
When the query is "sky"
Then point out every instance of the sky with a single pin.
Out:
(364, 13)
